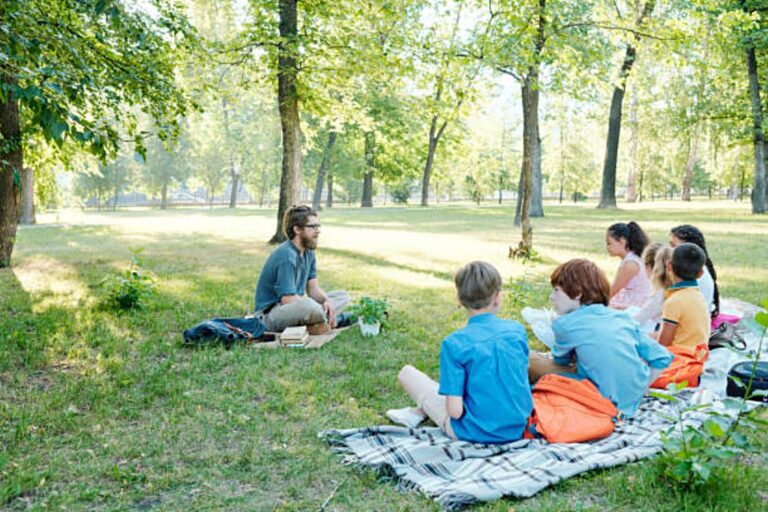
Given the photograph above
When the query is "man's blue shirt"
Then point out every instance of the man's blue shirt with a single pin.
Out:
(486, 363)
(611, 351)
(285, 272)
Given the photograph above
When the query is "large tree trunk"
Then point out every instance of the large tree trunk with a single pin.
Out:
(28, 196)
(692, 157)
(11, 164)
(630, 195)
(318, 194)
(329, 194)
(288, 102)
(758, 135)
(537, 199)
(608, 189)
(434, 139)
(370, 166)
(530, 93)
(536, 209)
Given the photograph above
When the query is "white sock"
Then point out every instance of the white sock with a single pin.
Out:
(407, 416)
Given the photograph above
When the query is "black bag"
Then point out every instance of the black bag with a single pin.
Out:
(726, 335)
(739, 376)
(225, 330)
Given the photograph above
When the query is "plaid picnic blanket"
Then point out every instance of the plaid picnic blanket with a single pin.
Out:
(458, 473)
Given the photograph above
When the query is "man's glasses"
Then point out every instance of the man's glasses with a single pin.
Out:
(313, 226)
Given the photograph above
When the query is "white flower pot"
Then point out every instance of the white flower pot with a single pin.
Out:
(369, 329)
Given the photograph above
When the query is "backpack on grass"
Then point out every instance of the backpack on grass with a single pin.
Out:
(569, 411)
(739, 378)
(225, 330)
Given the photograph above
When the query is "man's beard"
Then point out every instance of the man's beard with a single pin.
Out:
(309, 242)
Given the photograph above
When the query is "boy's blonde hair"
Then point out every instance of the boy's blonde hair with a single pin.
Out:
(660, 276)
(476, 284)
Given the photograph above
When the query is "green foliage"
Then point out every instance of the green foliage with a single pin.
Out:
(370, 310)
(695, 455)
(131, 289)
(401, 193)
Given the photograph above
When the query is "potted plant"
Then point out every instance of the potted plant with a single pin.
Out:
(371, 314)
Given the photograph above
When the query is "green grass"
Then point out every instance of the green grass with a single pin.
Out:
(105, 410)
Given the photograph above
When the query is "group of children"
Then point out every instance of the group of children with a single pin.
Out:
(619, 336)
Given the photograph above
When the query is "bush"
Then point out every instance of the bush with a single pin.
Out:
(132, 288)
(401, 193)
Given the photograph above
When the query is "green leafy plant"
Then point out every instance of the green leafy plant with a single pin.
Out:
(693, 454)
(370, 310)
(131, 289)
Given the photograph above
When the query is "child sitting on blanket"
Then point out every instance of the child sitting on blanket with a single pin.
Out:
(483, 395)
(655, 258)
(686, 233)
(685, 316)
(606, 345)
(630, 286)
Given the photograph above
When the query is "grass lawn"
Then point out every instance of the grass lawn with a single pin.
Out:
(105, 410)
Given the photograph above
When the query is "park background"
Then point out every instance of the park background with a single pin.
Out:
(430, 134)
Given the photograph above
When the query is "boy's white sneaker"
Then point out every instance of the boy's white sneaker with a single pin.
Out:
(410, 417)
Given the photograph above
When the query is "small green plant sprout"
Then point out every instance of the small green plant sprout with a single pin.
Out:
(130, 289)
(370, 311)
(694, 452)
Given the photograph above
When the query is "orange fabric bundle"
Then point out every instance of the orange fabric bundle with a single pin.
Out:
(686, 367)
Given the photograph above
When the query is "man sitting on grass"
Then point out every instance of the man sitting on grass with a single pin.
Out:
(290, 271)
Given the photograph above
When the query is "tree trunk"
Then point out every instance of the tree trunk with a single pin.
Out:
(537, 199)
(758, 135)
(608, 189)
(692, 156)
(164, 196)
(233, 174)
(329, 194)
(434, 139)
(28, 196)
(318, 193)
(530, 94)
(11, 164)
(288, 102)
(370, 166)
(630, 195)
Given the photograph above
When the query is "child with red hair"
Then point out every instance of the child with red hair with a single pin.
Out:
(600, 343)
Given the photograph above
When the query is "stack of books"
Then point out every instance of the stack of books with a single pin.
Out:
(294, 336)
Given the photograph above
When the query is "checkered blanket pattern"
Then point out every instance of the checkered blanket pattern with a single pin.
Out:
(458, 473)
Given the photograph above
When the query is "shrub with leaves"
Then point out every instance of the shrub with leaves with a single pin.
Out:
(130, 289)
(693, 454)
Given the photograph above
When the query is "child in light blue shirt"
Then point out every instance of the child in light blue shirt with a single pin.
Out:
(606, 345)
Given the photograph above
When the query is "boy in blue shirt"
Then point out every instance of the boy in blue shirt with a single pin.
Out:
(483, 395)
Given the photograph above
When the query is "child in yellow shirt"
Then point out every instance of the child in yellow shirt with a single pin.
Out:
(685, 316)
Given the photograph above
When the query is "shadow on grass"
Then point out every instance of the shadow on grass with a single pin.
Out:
(381, 262)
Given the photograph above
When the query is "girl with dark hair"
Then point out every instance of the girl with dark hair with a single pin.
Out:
(685, 233)
(631, 286)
